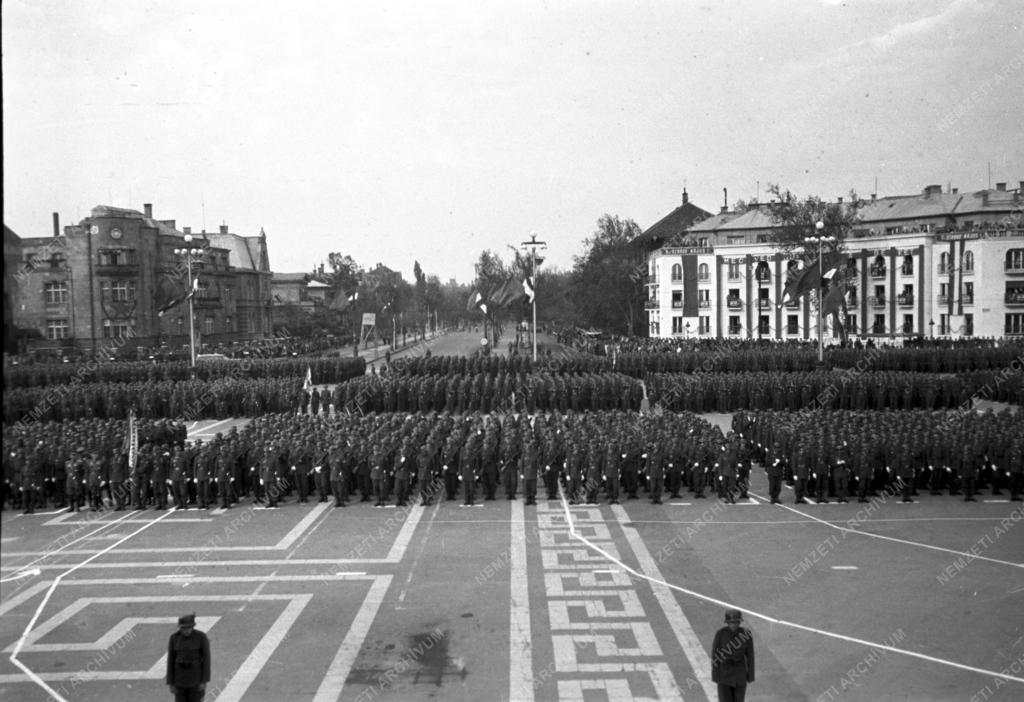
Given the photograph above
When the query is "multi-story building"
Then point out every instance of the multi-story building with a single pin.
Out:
(103, 282)
(933, 264)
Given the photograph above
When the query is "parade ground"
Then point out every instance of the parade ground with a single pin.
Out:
(883, 601)
(872, 601)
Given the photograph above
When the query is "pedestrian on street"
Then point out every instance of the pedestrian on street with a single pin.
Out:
(188, 661)
(732, 658)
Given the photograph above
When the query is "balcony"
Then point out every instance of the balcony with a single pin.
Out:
(207, 302)
(944, 269)
(1014, 267)
(968, 270)
(877, 328)
(734, 275)
(793, 329)
(852, 299)
(703, 277)
(905, 299)
(792, 304)
(677, 304)
(704, 304)
(734, 303)
(735, 330)
(650, 304)
(877, 271)
(1014, 297)
(877, 301)
(907, 328)
(943, 299)
(764, 303)
(967, 299)
(906, 270)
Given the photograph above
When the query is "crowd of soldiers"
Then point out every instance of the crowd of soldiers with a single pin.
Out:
(726, 392)
(323, 370)
(838, 454)
(189, 399)
(609, 456)
(482, 392)
(77, 463)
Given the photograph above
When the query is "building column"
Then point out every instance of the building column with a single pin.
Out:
(778, 296)
(748, 275)
(892, 292)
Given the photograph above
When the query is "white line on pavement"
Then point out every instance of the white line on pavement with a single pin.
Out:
(303, 524)
(334, 680)
(520, 678)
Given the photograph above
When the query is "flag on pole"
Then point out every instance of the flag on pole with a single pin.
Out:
(177, 300)
(834, 298)
(307, 385)
(132, 440)
(528, 288)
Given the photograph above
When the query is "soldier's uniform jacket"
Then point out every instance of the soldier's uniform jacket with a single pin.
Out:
(188, 659)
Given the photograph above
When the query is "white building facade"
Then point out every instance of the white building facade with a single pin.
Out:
(929, 265)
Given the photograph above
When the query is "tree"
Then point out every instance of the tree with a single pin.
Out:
(797, 219)
(608, 278)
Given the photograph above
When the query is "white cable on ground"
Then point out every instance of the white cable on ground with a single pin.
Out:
(46, 598)
(773, 620)
(893, 538)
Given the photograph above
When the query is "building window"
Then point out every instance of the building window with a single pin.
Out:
(944, 263)
(57, 260)
(792, 324)
(734, 324)
(878, 267)
(763, 272)
(116, 329)
(734, 270)
(122, 291)
(1015, 323)
(764, 325)
(704, 299)
(677, 299)
(704, 324)
(56, 329)
(1015, 261)
(968, 294)
(56, 293)
(968, 262)
(968, 325)
(908, 265)
(879, 325)
(703, 242)
(943, 324)
(702, 272)
(677, 272)
(116, 257)
(908, 324)
(208, 325)
(227, 324)
(851, 323)
(739, 239)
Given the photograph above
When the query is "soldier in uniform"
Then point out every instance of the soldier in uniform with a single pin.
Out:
(95, 481)
(179, 478)
(528, 470)
(118, 476)
(469, 463)
(655, 469)
(775, 470)
(30, 470)
(74, 481)
(401, 470)
(161, 475)
(224, 477)
(378, 475)
(841, 472)
(141, 475)
(612, 464)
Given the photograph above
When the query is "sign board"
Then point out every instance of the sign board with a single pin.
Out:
(369, 319)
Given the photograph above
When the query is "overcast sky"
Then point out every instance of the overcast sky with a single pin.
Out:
(394, 131)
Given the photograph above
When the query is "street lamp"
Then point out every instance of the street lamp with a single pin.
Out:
(687, 327)
(532, 244)
(190, 254)
(820, 239)
(931, 328)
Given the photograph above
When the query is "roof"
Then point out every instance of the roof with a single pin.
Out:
(675, 222)
(123, 213)
(910, 207)
(290, 277)
(10, 238)
(243, 251)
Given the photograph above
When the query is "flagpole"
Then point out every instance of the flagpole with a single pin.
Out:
(190, 253)
(533, 244)
(820, 239)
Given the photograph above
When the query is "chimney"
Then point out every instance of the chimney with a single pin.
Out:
(223, 229)
(930, 190)
(686, 198)
(1001, 187)
(186, 230)
(56, 225)
(874, 196)
(840, 200)
(725, 199)
(956, 190)
(148, 210)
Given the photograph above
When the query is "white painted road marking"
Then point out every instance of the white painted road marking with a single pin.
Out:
(520, 679)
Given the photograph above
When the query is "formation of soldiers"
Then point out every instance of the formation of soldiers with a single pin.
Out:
(190, 399)
(494, 365)
(843, 453)
(323, 370)
(726, 392)
(74, 464)
(483, 392)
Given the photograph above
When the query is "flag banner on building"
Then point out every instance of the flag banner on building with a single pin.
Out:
(809, 278)
(834, 298)
(478, 300)
(178, 299)
(690, 294)
(528, 288)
